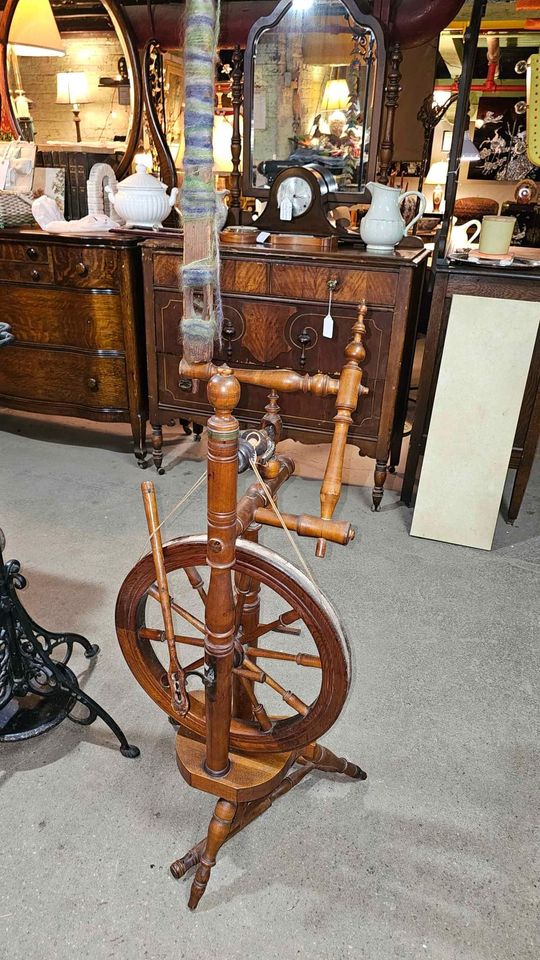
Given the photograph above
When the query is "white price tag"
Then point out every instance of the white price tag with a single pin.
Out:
(328, 322)
(262, 237)
(285, 210)
(328, 326)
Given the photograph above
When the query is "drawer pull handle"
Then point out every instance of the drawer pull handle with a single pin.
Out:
(31, 253)
(92, 383)
(35, 275)
(81, 269)
(229, 331)
(185, 384)
(332, 284)
(304, 340)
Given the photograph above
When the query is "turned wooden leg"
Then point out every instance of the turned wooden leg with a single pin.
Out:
(218, 832)
(323, 759)
(378, 489)
(157, 447)
(197, 430)
(138, 431)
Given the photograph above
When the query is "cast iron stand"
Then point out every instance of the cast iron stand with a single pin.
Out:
(37, 692)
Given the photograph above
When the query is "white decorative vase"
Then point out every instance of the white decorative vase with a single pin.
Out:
(141, 200)
(222, 210)
(383, 226)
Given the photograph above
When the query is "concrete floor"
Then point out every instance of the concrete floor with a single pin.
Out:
(430, 858)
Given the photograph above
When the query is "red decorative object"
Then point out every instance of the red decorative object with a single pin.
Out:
(6, 133)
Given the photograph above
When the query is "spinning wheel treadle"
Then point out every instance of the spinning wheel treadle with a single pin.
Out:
(254, 567)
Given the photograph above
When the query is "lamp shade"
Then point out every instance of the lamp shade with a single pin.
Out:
(469, 152)
(72, 88)
(221, 144)
(336, 95)
(437, 172)
(33, 31)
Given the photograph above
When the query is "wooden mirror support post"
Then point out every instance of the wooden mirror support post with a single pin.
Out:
(229, 742)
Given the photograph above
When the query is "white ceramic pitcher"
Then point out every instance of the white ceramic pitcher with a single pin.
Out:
(459, 238)
(383, 226)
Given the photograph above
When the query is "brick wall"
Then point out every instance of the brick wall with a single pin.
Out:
(96, 54)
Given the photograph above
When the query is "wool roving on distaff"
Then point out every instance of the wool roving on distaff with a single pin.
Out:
(202, 319)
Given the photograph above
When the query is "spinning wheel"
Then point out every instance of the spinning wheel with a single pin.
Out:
(242, 607)
(263, 580)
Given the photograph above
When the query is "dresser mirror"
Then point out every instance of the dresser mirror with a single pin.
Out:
(82, 87)
(314, 76)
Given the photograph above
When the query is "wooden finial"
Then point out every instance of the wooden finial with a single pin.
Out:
(224, 392)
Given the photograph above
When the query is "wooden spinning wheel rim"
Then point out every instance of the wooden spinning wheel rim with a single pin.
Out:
(272, 571)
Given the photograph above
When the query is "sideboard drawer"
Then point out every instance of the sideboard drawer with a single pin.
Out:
(85, 267)
(69, 318)
(63, 377)
(32, 253)
(305, 282)
(281, 334)
(244, 276)
(22, 272)
(167, 268)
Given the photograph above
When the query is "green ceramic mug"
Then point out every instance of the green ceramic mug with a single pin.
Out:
(496, 235)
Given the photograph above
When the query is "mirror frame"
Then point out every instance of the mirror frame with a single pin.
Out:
(362, 19)
(127, 36)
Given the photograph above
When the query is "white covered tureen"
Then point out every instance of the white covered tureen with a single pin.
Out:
(141, 200)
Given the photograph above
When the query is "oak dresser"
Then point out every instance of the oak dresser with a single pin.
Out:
(274, 303)
(75, 307)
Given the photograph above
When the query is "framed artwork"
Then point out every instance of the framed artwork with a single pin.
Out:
(51, 181)
(446, 141)
(17, 159)
(500, 137)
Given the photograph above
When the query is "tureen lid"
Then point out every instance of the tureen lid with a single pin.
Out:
(141, 181)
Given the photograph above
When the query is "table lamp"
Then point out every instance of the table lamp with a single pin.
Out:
(33, 31)
(335, 102)
(73, 88)
(437, 174)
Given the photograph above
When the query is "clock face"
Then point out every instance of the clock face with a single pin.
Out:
(294, 197)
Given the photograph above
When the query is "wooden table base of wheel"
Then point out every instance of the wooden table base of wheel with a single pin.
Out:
(249, 788)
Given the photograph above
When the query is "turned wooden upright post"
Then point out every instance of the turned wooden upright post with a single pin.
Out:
(236, 139)
(223, 394)
(350, 385)
(392, 91)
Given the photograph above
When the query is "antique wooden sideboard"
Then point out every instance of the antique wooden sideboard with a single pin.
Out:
(274, 303)
(504, 283)
(75, 307)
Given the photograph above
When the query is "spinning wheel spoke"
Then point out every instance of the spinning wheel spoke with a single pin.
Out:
(288, 696)
(284, 620)
(196, 582)
(146, 633)
(259, 711)
(243, 586)
(194, 621)
(195, 665)
(302, 659)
